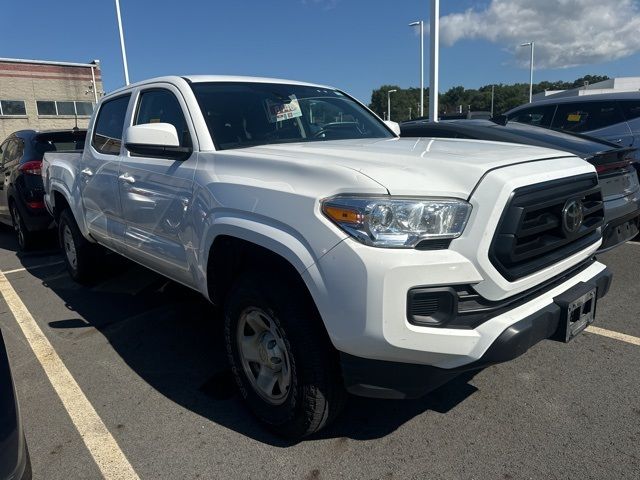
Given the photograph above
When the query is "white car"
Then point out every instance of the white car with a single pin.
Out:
(346, 258)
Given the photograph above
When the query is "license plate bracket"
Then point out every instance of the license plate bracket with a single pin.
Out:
(578, 310)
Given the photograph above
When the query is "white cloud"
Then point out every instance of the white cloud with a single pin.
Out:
(566, 32)
(325, 4)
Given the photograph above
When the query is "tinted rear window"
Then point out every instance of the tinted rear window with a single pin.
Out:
(630, 108)
(59, 141)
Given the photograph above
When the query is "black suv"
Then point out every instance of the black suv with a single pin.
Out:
(21, 189)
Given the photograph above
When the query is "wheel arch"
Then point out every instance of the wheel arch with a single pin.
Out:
(240, 244)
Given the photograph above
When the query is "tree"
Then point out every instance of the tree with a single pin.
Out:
(403, 102)
(506, 97)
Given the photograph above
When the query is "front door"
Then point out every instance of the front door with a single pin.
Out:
(156, 192)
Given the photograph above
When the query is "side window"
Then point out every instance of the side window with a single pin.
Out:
(540, 116)
(4, 154)
(587, 116)
(161, 106)
(107, 132)
(630, 108)
(8, 151)
(19, 149)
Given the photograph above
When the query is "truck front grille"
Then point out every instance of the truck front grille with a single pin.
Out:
(540, 226)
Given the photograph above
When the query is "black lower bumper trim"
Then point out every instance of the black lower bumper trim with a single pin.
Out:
(383, 379)
(619, 231)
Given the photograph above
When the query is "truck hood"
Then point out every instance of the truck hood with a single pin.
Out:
(411, 166)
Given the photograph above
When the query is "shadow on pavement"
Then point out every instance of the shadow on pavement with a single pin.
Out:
(173, 339)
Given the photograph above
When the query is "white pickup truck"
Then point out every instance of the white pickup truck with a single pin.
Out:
(345, 258)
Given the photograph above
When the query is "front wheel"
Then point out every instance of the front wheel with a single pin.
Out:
(80, 256)
(285, 368)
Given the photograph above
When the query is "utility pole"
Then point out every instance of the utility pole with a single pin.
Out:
(532, 45)
(493, 93)
(420, 23)
(389, 92)
(124, 52)
(435, 60)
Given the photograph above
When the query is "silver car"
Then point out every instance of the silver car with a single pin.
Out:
(612, 116)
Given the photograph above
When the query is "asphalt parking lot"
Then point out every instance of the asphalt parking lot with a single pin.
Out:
(148, 355)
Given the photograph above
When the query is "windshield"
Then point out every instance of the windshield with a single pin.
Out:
(248, 114)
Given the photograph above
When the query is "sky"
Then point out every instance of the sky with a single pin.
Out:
(356, 45)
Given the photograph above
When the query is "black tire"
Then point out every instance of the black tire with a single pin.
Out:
(26, 239)
(83, 270)
(316, 394)
(28, 472)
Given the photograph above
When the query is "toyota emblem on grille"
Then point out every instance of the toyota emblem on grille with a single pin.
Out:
(572, 216)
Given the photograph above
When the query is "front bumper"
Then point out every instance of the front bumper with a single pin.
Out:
(384, 379)
(361, 295)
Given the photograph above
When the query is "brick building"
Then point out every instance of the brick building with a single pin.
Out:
(44, 95)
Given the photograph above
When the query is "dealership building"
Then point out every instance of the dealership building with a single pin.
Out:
(612, 85)
(42, 95)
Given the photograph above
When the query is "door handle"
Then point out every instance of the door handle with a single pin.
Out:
(86, 172)
(619, 140)
(125, 177)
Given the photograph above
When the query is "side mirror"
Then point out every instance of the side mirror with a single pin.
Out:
(500, 119)
(155, 140)
(394, 126)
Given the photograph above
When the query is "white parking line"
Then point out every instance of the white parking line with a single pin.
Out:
(44, 265)
(623, 337)
(103, 447)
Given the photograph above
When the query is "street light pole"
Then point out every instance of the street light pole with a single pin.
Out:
(420, 23)
(493, 93)
(435, 60)
(124, 52)
(532, 45)
(389, 92)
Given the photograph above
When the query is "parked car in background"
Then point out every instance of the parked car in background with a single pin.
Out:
(614, 117)
(21, 190)
(618, 178)
(14, 456)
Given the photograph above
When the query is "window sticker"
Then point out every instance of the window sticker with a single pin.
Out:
(573, 117)
(279, 111)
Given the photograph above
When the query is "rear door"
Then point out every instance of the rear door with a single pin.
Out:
(98, 172)
(600, 119)
(156, 192)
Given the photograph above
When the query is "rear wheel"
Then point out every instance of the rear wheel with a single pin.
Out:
(26, 239)
(281, 359)
(80, 256)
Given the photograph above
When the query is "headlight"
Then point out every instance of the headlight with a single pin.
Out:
(397, 222)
